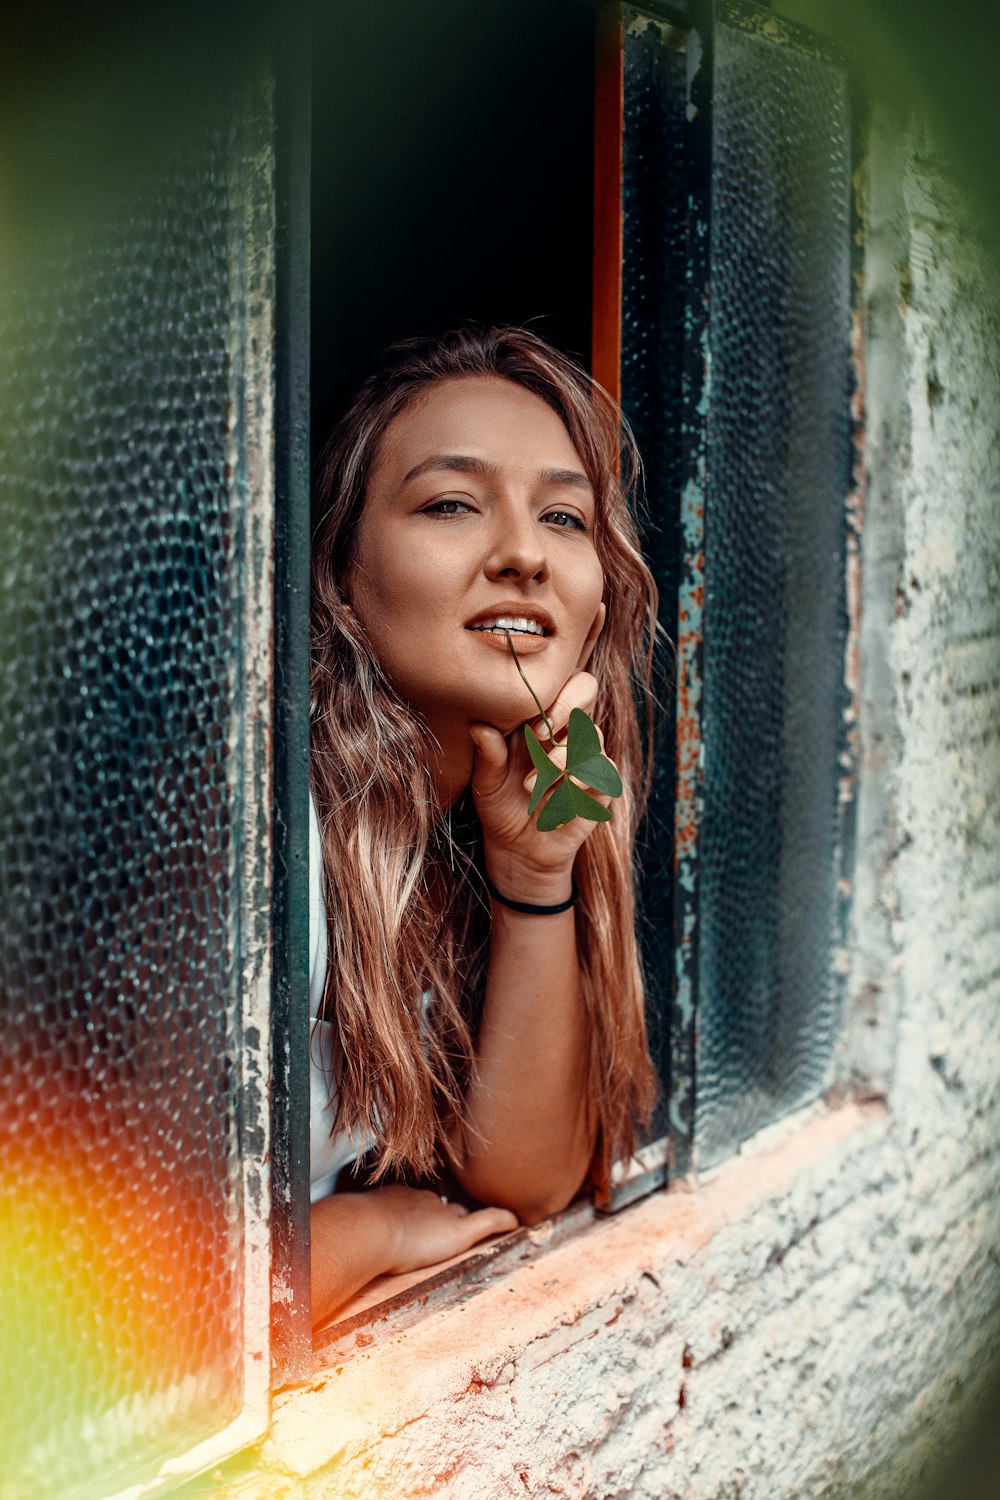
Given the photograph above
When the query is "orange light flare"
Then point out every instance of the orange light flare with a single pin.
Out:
(116, 1277)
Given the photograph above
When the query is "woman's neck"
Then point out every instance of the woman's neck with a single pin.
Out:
(452, 755)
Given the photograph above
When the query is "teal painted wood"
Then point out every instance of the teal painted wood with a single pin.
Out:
(291, 1311)
(746, 400)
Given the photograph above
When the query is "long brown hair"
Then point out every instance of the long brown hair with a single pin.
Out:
(406, 908)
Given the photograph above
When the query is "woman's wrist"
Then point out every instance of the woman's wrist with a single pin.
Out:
(531, 908)
(514, 882)
(386, 1229)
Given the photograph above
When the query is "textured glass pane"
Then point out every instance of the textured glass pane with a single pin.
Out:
(652, 358)
(778, 447)
(121, 798)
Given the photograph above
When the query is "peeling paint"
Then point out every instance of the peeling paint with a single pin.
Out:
(819, 1313)
(253, 495)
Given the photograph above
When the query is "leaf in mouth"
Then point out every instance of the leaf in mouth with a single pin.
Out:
(585, 761)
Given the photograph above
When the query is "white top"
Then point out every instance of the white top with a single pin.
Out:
(326, 1154)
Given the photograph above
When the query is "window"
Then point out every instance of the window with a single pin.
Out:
(152, 960)
(723, 305)
(136, 531)
(726, 302)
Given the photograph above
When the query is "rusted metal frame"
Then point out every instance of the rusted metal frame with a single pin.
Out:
(646, 1170)
(252, 480)
(749, 15)
(758, 19)
(290, 1283)
(691, 592)
(676, 12)
(609, 132)
(606, 338)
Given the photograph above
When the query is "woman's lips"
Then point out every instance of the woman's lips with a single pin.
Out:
(524, 645)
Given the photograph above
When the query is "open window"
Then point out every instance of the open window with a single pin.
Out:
(717, 202)
(452, 180)
(156, 383)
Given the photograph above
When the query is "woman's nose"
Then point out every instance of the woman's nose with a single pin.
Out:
(517, 550)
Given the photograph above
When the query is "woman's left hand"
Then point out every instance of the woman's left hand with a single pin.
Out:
(521, 862)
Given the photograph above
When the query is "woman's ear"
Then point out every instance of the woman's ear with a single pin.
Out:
(592, 634)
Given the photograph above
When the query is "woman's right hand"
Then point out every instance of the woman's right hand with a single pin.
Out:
(525, 864)
(384, 1231)
(424, 1228)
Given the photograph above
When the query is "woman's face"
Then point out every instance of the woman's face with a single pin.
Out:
(479, 513)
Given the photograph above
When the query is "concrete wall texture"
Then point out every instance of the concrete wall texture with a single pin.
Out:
(818, 1317)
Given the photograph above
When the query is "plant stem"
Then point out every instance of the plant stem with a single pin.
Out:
(548, 724)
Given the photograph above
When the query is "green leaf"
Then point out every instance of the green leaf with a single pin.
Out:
(586, 807)
(568, 802)
(548, 771)
(586, 760)
(582, 740)
(559, 809)
(600, 774)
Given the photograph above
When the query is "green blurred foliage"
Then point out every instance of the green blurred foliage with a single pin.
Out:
(938, 60)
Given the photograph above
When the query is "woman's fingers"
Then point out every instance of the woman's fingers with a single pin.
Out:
(483, 1222)
(451, 1228)
(425, 1228)
(489, 768)
(579, 691)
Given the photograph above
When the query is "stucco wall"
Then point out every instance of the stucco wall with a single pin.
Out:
(818, 1317)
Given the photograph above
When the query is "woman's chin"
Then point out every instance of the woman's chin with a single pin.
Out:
(508, 726)
(507, 713)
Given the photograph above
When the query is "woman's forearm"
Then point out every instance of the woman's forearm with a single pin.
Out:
(349, 1246)
(530, 1127)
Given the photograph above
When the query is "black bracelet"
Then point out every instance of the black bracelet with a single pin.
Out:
(529, 907)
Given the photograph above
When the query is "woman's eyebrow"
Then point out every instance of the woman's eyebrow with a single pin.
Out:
(464, 463)
(456, 463)
(567, 476)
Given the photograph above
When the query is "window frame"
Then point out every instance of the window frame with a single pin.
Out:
(682, 20)
(670, 1152)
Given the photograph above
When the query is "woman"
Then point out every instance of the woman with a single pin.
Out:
(481, 1000)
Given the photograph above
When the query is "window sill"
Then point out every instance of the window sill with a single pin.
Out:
(392, 1302)
(532, 1296)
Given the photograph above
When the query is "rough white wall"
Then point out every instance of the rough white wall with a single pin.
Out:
(817, 1318)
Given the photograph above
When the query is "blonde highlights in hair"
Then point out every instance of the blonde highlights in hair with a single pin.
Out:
(406, 907)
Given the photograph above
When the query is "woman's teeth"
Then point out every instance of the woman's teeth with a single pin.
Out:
(509, 622)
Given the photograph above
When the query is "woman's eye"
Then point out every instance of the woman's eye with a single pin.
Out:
(446, 508)
(567, 518)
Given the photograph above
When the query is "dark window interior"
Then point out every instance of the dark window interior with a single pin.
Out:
(452, 176)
